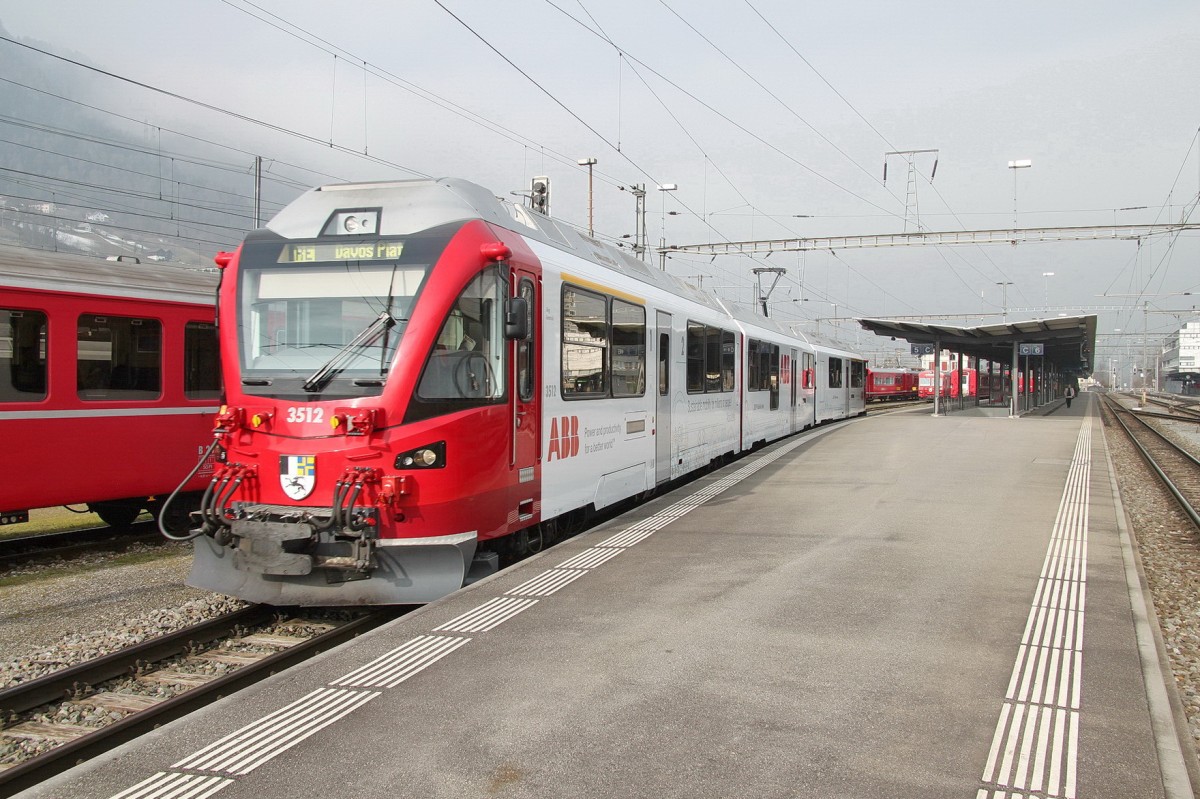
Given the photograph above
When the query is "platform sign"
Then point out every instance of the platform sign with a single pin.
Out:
(1031, 349)
(922, 349)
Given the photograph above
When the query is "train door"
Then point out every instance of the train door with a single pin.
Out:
(849, 387)
(525, 391)
(795, 392)
(662, 427)
(809, 385)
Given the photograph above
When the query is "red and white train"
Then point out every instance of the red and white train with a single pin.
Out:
(419, 375)
(885, 385)
(109, 382)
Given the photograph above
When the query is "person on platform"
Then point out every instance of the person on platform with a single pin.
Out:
(1070, 395)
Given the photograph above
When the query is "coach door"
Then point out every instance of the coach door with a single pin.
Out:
(795, 390)
(525, 390)
(662, 454)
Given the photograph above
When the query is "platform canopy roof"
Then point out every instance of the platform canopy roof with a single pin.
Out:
(1069, 341)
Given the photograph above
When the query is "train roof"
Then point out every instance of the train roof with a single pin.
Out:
(83, 274)
(410, 206)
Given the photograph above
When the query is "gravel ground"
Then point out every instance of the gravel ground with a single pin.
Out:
(1169, 547)
(55, 621)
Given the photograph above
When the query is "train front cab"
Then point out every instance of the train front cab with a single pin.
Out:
(383, 417)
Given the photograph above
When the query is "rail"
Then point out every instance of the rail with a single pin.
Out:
(16, 550)
(62, 685)
(1178, 469)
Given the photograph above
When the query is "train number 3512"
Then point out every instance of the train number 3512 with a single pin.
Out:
(305, 413)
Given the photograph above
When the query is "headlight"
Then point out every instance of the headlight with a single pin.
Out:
(431, 456)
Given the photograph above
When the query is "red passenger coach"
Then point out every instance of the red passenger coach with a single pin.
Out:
(884, 385)
(108, 382)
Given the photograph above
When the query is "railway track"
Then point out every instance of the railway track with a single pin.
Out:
(1178, 410)
(18, 550)
(903, 405)
(1178, 469)
(144, 686)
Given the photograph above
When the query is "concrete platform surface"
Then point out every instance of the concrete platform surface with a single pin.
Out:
(899, 606)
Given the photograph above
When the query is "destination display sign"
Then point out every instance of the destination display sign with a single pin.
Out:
(341, 251)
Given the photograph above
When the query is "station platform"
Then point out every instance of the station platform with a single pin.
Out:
(896, 606)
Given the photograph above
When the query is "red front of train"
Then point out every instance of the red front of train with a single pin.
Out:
(382, 403)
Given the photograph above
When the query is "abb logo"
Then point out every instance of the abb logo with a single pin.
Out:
(564, 438)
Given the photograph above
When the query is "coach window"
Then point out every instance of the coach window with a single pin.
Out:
(858, 374)
(585, 344)
(201, 362)
(118, 358)
(628, 350)
(22, 356)
(664, 360)
(728, 349)
(774, 383)
(695, 358)
(835, 372)
(809, 372)
(764, 366)
(752, 364)
(525, 361)
(712, 360)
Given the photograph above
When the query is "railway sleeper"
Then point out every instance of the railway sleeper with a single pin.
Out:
(46, 731)
(122, 702)
(188, 679)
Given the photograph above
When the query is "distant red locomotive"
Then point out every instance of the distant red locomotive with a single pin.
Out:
(109, 382)
(885, 385)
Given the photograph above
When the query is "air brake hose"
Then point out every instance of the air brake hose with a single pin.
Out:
(162, 513)
(339, 493)
(221, 501)
(348, 511)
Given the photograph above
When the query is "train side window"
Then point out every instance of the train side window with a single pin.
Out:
(118, 358)
(835, 372)
(712, 360)
(858, 372)
(728, 350)
(628, 349)
(584, 344)
(695, 358)
(773, 386)
(809, 371)
(467, 364)
(201, 361)
(762, 369)
(752, 364)
(22, 356)
(664, 362)
(525, 359)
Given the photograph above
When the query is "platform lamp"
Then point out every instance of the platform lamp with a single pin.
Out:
(589, 163)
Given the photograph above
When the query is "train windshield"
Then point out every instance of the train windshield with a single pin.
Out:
(322, 327)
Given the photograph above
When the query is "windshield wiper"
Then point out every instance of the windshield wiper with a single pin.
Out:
(370, 334)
